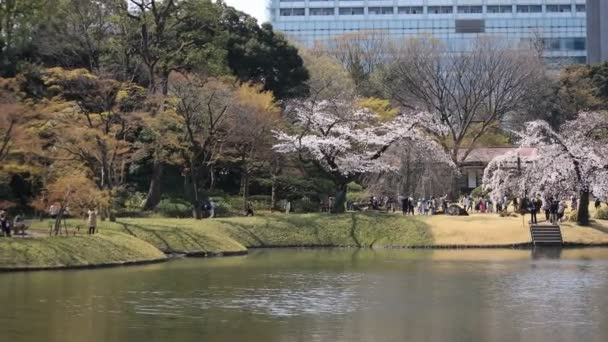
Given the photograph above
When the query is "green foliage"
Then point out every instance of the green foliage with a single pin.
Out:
(479, 192)
(305, 205)
(174, 207)
(354, 187)
(259, 54)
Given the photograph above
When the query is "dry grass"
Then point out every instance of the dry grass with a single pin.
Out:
(490, 229)
(478, 229)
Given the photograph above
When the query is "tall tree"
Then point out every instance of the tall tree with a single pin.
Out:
(361, 54)
(572, 160)
(254, 115)
(345, 141)
(17, 20)
(260, 55)
(469, 92)
(204, 107)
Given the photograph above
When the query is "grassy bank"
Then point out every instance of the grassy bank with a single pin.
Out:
(110, 248)
(135, 240)
(233, 235)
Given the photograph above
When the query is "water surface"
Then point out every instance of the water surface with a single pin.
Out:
(320, 295)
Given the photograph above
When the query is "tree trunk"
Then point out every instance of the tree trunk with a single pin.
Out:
(340, 200)
(196, 203)
(154, 190)
(583, 209)
(273, 193)
(245, 189)
(211, 178)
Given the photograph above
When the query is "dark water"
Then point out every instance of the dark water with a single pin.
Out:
(319, 295)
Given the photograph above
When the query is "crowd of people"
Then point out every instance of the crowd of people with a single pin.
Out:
(407, 205)
(553, 208)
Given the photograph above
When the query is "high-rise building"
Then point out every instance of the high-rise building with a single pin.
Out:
(597, 31)
(560, 25)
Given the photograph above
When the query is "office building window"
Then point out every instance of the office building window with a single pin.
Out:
(292, 12)
(559, 8)
(499, 9)
(321, 11)
(380, 10)
(470, 9)
(581, 8)
(529, 8)
(470, 26)
(410, 10)
(440, 9)
(351, 11)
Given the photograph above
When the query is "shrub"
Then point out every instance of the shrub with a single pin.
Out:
(305, 205)
(602, 213)
(134, 201)
(174, 207)
(223, 208)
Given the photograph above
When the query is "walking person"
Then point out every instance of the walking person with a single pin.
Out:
(92, 221)
(405, 205)
(598, 203)
(533, 210)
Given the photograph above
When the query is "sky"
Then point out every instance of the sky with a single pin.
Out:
(255, 8)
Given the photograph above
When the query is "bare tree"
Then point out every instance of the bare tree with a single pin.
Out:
(360, 54)
(470, 92)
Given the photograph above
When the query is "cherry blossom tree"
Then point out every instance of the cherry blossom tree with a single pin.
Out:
(345, 140)
(571, 160)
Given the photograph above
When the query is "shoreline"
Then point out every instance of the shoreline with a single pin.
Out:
(131, 242)
(206, 255)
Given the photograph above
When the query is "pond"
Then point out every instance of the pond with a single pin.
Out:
(320, 295)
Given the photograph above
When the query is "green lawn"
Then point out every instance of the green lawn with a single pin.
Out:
(141, 239)
(59, 252)
(231, 235)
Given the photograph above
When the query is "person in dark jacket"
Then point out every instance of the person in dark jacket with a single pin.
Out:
(553, 210)
(5, 224)
(532, 207)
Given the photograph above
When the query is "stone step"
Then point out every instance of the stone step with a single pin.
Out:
(546, 234)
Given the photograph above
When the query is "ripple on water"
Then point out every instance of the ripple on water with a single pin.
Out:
(319, 293)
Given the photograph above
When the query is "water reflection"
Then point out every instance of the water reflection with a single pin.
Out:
(320, 295)
(546, 253)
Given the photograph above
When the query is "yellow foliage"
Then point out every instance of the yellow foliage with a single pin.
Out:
(253, 95)
(381, 107)
(75, 191)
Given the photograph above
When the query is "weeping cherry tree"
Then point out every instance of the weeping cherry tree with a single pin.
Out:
(571, 160)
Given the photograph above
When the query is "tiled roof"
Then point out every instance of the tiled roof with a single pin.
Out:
(486, 154)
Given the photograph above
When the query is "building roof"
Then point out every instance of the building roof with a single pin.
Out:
(486, 154)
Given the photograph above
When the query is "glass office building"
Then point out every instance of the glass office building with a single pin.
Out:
(560, 25)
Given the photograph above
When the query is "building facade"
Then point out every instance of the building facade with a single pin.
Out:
(597, 31)
(560, 25)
